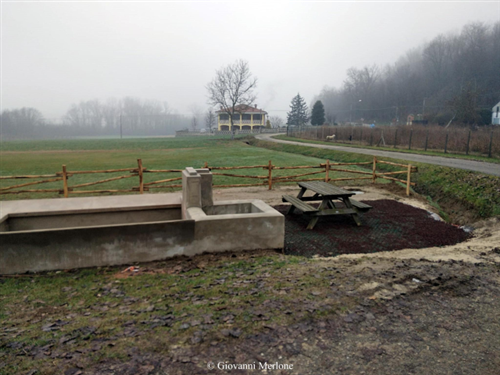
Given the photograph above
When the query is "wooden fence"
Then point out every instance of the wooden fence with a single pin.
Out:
(267, 179)
(484, 141)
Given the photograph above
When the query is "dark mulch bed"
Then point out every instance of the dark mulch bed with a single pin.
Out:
(388, 226)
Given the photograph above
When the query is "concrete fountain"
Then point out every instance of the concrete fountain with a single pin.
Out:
(52, 234)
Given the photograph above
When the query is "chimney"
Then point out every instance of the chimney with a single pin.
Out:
(255, 105)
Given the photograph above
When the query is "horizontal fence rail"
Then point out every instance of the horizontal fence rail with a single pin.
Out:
(483, 141)
(274, 175)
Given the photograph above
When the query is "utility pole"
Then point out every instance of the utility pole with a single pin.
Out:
(121, 132)
(423, 110)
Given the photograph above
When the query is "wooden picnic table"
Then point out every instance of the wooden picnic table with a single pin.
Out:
(327, 194)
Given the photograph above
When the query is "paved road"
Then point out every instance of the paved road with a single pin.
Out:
(478, 166)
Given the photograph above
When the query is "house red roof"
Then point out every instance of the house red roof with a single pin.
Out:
(244, 109)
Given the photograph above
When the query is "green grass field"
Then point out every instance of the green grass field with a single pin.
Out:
(47, 157)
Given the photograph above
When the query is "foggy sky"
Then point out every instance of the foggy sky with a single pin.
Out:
(58, 53)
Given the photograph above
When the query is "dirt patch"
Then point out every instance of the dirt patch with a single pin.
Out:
(373, 316)
(388, 226)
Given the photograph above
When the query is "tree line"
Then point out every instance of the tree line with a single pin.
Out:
(454, 77)
(114, 117)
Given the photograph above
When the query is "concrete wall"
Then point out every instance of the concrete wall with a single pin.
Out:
(19, 222)
(93, 246)
(262, 228)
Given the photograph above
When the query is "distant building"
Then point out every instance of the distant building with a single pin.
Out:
(245, 117)
(495, 114)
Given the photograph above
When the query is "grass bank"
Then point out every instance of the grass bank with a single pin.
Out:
(464, 196)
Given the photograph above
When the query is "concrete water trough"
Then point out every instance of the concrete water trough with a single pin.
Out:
(52, 234)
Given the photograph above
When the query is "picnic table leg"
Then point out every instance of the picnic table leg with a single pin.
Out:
(313, 222)
(292, 208)
(301, 193)
(355, 216)
(324, 203)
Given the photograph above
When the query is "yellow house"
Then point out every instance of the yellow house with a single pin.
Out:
(245, 117)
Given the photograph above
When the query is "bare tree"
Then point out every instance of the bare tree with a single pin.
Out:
(197, 112)
(20, 122)
(232, 86)
(194, 123)
(276, 121)
(210, 120)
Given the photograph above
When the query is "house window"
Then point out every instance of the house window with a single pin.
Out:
(224, 117)
(257, 118)
(247, 117)
(236, 117)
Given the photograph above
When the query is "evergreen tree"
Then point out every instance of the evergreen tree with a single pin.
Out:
(318, 114)
(298, 112)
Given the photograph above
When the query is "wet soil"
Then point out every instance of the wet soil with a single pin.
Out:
(409, 317)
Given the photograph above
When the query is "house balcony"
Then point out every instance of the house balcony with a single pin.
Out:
(242, 122)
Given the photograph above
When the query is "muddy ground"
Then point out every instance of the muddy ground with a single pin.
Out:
(412, 311)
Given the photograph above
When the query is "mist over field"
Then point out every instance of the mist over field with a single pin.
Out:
(72, 69)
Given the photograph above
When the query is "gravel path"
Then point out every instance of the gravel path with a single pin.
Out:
(477, 166)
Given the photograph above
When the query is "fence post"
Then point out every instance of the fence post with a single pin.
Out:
(426, 139)
(374, 177)
(270, 178)
(468, 141)
(489, 147)
(408, 180)
(65, 181)
(409, 142)
(327, 170)
(141, 180)
(395, 138)
(446, 143)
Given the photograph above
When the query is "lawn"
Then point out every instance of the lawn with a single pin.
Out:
(47, 157)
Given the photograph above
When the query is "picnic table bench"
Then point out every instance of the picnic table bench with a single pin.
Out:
(327, 194)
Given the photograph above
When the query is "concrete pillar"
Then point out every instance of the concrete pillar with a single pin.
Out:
(191, 190)
(207, 199)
